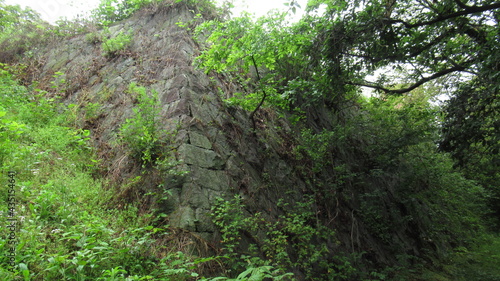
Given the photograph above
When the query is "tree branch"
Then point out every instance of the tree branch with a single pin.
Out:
(467, 10)
(412, 87)
(415, 50)
(461, 4)
(263, 91)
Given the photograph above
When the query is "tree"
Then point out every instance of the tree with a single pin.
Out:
(19, 30)
(454, 41)
(427, 39)
(256, 54)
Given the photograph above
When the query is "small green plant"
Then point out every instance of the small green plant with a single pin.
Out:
(142, 132)
(228, 216)
(110, 11)
(192, 23)
(113, 46)
(93, 37)
(92, 111)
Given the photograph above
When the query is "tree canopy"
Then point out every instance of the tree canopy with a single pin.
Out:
(339, 47)
(415, 42)
(424, 39)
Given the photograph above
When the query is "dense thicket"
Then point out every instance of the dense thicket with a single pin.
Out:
(413, 43)
(381, 158)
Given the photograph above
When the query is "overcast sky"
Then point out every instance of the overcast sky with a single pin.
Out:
(52, 10)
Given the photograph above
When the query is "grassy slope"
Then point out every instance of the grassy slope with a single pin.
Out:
(66, 230)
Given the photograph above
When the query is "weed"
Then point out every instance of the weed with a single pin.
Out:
(142, 133)
(93, 37)
(113, 46)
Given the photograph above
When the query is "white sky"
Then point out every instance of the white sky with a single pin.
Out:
(52, 10)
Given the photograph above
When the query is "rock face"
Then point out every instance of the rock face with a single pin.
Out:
(219, 151)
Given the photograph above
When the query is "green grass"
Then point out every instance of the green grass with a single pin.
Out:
(66, 228)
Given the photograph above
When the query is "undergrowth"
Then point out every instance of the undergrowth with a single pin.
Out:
(61, 225)
(65, 228)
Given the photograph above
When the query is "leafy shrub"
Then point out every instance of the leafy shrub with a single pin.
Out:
(291, 241)
(110, 11)
(142, 133)
(114, 45)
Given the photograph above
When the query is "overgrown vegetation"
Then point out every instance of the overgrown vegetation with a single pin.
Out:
(379, 156)
(111, 11)
(144, 133)
(384, 199)
(68, 232)
(65, 227)
(113, 45)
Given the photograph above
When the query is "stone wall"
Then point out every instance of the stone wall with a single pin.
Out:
(216, 144)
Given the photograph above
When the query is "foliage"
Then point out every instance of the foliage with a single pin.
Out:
(65, 28)
(93, 37)
(110, 11)
(20, 29)
(385, 163)
(479, 263)
(294, 241)
(471, 135)
(114, 45)
(256, 273)
(142, 132)
(371, 165)
(378, 156)
(406, 34)
(252, 53)
(422, 41)
(67, 230)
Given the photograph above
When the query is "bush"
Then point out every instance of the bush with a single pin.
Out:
(142, 133)
(110, 11)
(114, 45)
